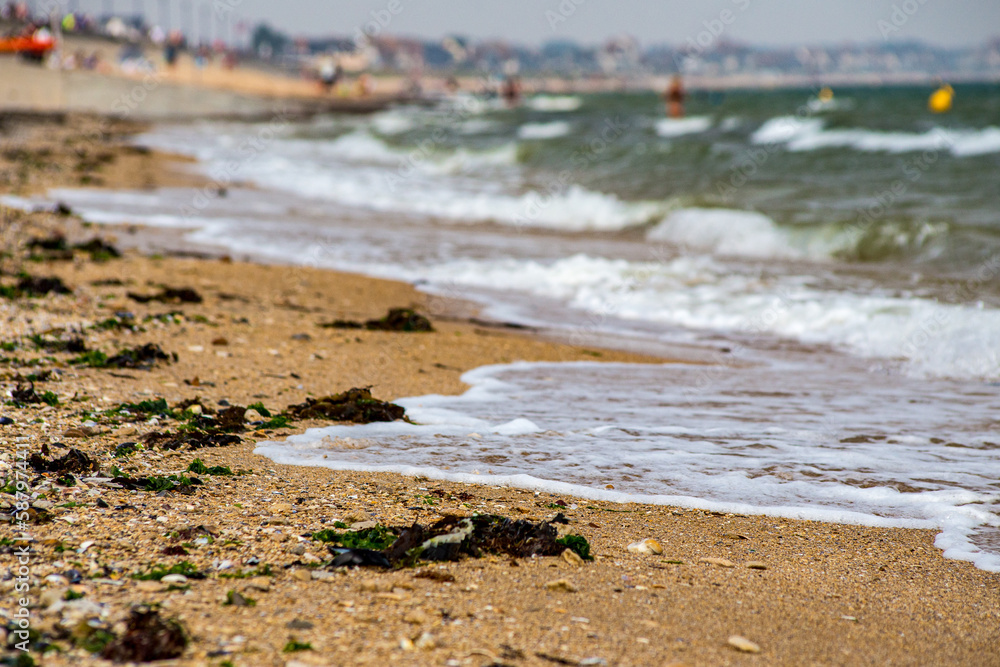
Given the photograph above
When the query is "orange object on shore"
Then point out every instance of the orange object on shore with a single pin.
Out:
(31, 45)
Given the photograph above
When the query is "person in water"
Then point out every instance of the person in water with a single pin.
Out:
(674, 97)
(511, 91)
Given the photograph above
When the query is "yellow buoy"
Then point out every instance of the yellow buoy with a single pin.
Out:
(825, 95)
(940, 101)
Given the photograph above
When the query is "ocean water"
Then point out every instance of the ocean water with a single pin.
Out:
(837, 265)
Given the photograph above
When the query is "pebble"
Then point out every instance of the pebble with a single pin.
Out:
(149, 586)
(756, 565)
(280, 508)
(301, 575)
(174, 579)
(415, 617)
(252, 415)
(743, 644)
(311, 559)
(572, 558)
(561, 585)
(262, 584)
(425, 642)
(648, 546)
(298, 549)
(721, 562)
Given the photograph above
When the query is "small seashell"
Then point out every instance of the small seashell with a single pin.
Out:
(743, 644)
(648, 546)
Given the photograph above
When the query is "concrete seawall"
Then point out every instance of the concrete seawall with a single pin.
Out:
(29, 87)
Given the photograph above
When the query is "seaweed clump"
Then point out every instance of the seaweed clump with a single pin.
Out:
(397, 319)
(450, 539)
(354, 405)
(74, 461)
(147, 638)
(169, 295)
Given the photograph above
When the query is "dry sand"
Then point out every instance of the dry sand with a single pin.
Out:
(819, 594)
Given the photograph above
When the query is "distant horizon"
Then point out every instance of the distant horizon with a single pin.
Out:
(761, 23)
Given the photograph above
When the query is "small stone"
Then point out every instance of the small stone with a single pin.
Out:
(220, 341)
(572, 558)
(647, 547)
(374, 586)
(86, 545)
(310, 559)
(298, 549)
(561, 585)
(756, 565)
(195, 409)
(281, 508)
(425, 642)
(262, 584)
(415, 617)
(301, 575)
(364, 525)
(743, 644)
(149, 586)
(721, 562)
(174, 579)
(51, 596)
(252, 415)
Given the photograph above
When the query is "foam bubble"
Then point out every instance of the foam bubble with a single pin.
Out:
(677, 127)
(725, 232)
(553, 130)
(554, 103)
(798, 134)
(733, 446)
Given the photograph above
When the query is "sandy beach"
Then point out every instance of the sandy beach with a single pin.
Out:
(723, 589)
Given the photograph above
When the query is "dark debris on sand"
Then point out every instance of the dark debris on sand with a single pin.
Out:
(454, 537)
(397, 319)
(354, 405)
(74, 461)
(169, 295)
(147, 638)
(142, 357)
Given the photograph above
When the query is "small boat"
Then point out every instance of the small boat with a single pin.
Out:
(31, 46)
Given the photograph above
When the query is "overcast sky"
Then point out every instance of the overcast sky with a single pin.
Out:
(772, 22)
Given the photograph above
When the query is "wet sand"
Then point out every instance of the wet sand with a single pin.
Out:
(816, 594)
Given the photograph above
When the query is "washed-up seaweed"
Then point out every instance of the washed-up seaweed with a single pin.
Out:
(75, 345)
(397, 319)
(175, 483)
(190, 439)
(26, 395)
(169, 295)
(55, 248)
(354, 405)
(74, 461)
(40, 286)
(147, 638)
(98, 249)
(143, 356)
(450, 539)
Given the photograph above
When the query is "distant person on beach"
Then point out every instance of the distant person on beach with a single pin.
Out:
(511, 91)
(674, 97)
(329, 75)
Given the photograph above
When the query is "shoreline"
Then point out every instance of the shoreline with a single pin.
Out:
(828, 593)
